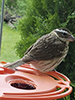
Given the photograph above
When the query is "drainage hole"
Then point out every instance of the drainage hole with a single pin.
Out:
(23, 86)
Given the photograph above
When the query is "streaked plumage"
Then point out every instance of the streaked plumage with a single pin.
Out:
(48, 51)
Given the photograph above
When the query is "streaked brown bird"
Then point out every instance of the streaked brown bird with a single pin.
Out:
(47, 52)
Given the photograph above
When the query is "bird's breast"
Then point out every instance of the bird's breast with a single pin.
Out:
(49, 65)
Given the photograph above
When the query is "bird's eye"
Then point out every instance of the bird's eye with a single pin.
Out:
(64, 33)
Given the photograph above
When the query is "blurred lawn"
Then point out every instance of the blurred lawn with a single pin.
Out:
(9, 39)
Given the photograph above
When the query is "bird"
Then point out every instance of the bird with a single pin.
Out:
(47, 52)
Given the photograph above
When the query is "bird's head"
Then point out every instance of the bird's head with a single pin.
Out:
(64, 34)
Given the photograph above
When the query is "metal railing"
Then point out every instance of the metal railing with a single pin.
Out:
(1, 22)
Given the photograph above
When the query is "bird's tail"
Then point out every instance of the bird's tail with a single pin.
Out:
(14, 64)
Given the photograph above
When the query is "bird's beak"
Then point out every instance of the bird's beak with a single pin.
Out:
(71, 38)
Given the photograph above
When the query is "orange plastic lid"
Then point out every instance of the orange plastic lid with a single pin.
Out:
(26, 83)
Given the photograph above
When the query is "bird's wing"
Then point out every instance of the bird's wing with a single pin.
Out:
(45, 48)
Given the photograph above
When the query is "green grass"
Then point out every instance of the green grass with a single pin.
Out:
(9, 39)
